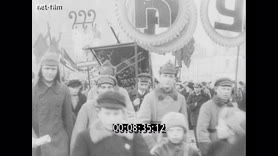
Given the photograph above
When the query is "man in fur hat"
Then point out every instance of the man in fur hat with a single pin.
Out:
(108, 69)
(99, 139)
(87, 113)
(165, 98)
(51, 108)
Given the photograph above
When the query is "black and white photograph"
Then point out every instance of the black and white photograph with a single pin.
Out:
(138, 77)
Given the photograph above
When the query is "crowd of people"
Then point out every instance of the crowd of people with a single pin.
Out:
(79, 122)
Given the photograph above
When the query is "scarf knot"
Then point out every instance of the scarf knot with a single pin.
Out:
(161, 94)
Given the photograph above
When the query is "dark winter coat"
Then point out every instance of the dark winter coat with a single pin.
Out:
(194, 109)
(98, 141)
(81, 101)
(217, 148)
(133, 95)
(170, 149)
(52, 115)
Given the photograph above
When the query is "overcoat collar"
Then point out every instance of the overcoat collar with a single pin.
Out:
(42, 87)
(98, 132)
(161, 94)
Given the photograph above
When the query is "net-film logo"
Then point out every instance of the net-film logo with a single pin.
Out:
(49, 7)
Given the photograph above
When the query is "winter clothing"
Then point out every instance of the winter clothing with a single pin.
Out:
(133, 95)
(129, 106)
(144, 77)
(103, 79)
(82, 99)
(52, 114)
(190, 85)
(195, 108)
(242, 103)
(86, 116)
(170, 149)
(111, 99)
(74, 83)
(168, 68)
(158, 103)
(98, 141)
(107, 69)
(208, 120)
(50, 59)
(237, 149)
(217, 148)
(174, 119)
(223, 82)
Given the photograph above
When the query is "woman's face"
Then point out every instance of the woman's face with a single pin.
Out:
(223, 130)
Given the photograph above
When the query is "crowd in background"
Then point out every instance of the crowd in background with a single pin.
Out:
(79, 120)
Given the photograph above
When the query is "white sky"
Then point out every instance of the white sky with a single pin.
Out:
(60, 22)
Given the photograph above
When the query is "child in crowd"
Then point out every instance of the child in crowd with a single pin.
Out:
(100, 140)
(230, 129)
(176, 134)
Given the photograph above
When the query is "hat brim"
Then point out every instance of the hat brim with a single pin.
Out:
(111, 106)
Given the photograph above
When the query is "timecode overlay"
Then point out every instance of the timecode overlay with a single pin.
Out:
(139, 128)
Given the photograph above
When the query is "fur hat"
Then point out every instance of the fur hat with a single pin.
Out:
(174, 119)
(112, 100)
(106, 79)
(107, 69)
(168, 68)
(50, 59)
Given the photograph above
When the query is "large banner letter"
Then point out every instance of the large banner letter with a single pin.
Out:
(236, 14)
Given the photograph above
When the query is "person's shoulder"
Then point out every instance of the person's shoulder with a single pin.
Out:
(84, 135)
(159, 148)
(207, 105)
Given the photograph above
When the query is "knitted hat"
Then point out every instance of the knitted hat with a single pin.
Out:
(168, 68)
(174, 119)
(144, 77)
(111, 100)
(107, 69)
(223, 82)
(106, 79)
(50, 59)
(74, 83)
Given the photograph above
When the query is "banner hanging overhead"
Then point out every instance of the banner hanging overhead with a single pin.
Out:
(223, 33)
(180, 24)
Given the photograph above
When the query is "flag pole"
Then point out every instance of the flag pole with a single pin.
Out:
(237, 59)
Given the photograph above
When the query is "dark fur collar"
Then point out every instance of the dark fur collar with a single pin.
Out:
(161, 94)
(98, 132)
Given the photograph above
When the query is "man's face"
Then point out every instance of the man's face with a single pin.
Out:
(74, 90)
(175, 134)
(110, 116)
(167, 80)
(197, 89)
(224, 92)
(143, 86)
(105, 87)
(49, 72)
